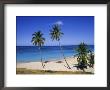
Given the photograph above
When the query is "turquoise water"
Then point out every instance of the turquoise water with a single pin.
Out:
(31, 53)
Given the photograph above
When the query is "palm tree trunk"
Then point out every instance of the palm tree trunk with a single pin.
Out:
(83, 70)
(64, 56)
(41, 57)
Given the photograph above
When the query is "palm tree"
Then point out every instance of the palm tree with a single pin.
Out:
(82, 52)
(55, 35)
(38, 40)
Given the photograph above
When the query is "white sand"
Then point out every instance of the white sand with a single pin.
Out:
(53, 65)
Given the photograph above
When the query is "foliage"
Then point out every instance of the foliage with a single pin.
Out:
(38, 40)
(91, 59)
(82, 52)
(56, 33)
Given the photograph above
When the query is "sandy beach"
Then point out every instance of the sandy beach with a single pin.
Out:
(58, 65)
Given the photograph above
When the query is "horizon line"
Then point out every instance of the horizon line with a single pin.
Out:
(54, 45)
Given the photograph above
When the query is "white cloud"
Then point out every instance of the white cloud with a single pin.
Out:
(59, 23)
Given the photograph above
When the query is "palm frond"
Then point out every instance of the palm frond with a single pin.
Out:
(38, 38)
(55, 32)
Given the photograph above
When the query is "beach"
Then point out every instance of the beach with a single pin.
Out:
(57, 65)
(44, 48)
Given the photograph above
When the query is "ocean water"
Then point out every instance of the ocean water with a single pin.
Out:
(31, 53)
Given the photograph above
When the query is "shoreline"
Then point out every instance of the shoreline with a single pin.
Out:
(57, 65)
(46, 60)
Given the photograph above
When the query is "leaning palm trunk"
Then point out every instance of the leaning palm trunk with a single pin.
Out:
(41, 57)
(64, 56)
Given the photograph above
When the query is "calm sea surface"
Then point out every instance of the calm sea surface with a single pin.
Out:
(31, 53)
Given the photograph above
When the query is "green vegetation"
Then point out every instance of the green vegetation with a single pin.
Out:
(56, 33)
(91, 59)
(29, 71)
(83, 58)
(38, 40)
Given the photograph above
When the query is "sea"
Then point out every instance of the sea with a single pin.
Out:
(49, 53)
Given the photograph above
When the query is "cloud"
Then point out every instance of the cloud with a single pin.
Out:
(59, 23)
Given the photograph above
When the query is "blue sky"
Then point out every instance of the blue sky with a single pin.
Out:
(76, 29)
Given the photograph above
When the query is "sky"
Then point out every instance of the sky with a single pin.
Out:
(76, 29)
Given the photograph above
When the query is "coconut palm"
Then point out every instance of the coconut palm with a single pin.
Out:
(38, 40)
(56, 33)
(82, 52)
